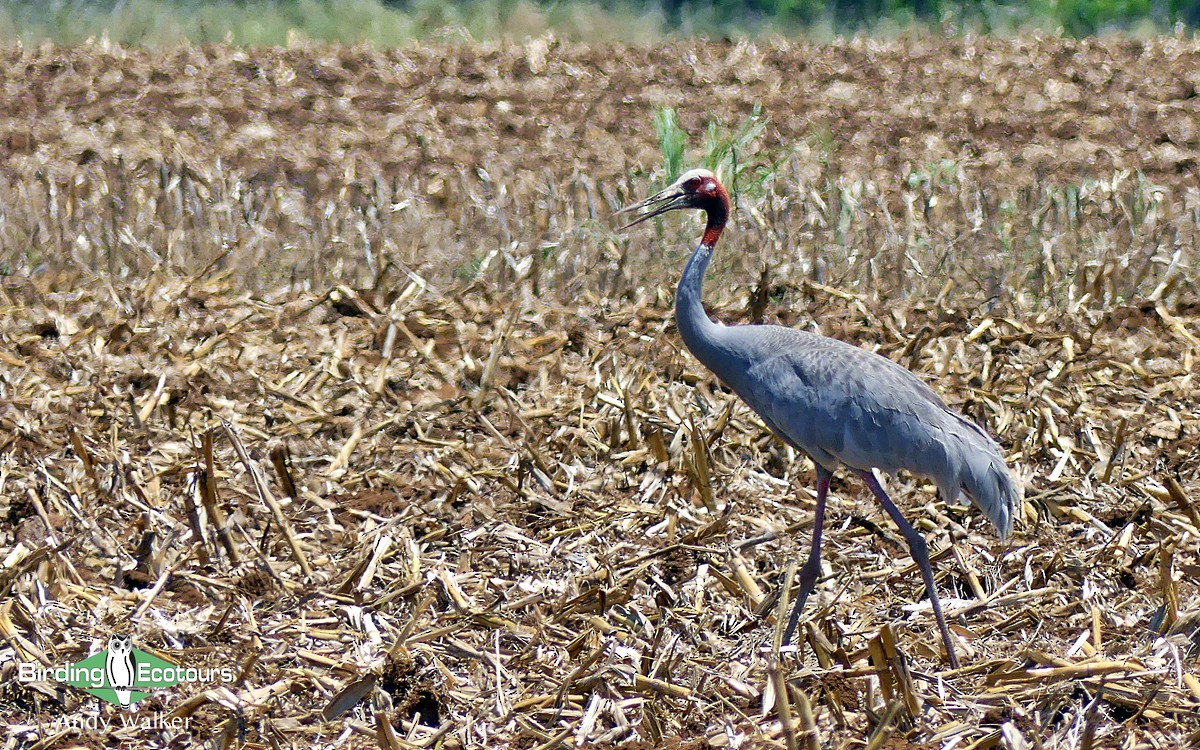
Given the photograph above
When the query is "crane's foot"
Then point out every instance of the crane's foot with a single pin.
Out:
(808, 580)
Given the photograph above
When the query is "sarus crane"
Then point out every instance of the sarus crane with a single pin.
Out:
(835, 402)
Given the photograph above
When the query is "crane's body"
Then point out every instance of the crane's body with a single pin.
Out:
(840, 404)
(837, 403)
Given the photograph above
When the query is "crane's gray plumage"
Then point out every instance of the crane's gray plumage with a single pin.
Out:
(840, 404)
(837, 403)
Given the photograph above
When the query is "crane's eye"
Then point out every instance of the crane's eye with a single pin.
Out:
(692, 185)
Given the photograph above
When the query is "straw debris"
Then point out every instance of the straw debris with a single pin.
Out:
(519, 576)
(409, 442)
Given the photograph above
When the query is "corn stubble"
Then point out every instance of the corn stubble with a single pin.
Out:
(327, 363)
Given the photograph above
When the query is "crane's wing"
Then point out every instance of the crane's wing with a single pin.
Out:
(844, 405)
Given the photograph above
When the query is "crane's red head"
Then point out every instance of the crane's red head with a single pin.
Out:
(696, 188)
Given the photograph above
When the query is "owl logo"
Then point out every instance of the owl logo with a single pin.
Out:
(120, 667)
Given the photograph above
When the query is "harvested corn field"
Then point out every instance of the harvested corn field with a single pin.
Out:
(327, 367)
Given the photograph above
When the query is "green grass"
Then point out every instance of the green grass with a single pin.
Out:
(278, 22)
(732, 153)
(672, 141)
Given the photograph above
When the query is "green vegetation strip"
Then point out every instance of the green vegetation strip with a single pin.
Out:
(279, 22)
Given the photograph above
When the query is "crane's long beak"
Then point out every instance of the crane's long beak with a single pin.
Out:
(666, 200)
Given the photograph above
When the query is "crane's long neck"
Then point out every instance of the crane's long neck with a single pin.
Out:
(699, 333)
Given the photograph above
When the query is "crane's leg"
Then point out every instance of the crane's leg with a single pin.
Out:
(920, 553)
(812, 566)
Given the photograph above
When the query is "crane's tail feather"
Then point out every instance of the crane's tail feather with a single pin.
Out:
(987, 481)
